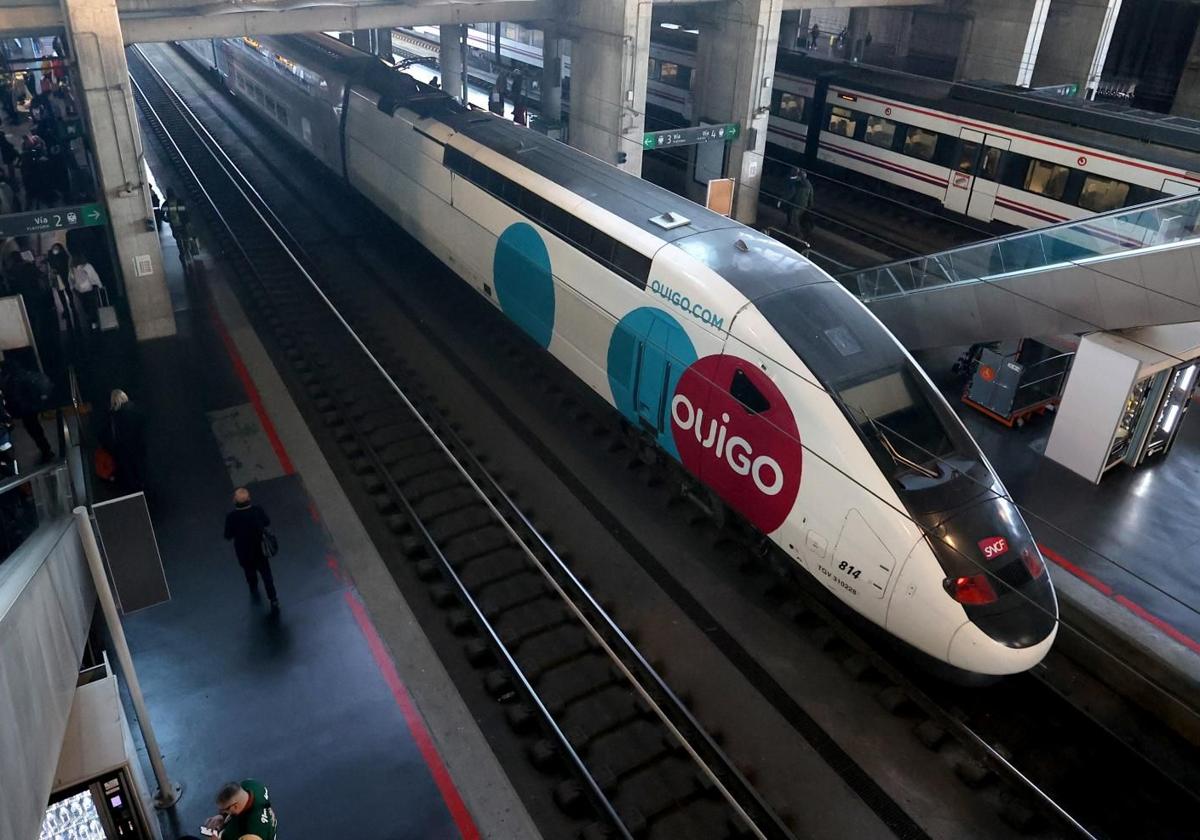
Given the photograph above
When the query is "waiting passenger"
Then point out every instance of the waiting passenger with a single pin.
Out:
(247, 525)
(127, 441)
(86, 284)
(814, 36)
(798, 199)
(435, 83)
(246, 812)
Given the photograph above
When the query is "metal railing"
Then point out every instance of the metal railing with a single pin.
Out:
(1165, 222)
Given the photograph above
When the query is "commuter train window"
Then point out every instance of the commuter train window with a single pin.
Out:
(1140, 195)
(789, 106)
(1102, 194)
(920, 143)
(1046, 179)
(747, 393)
(842, 121)
(989, 164)
(967, 154)
(880, 132)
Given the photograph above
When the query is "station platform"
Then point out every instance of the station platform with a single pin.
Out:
(337, 702)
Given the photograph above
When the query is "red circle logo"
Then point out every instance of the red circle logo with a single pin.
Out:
(887, 112)
(987, 373)
(1082, 161)
(735, 431)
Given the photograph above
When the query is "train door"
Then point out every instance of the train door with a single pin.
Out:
(972, 187)
(653, 380)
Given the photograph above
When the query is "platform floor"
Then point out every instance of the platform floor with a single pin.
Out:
(337, 703)
(1133, 538)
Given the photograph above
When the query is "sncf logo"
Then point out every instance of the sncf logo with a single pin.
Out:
(993, 547)
(749, 454)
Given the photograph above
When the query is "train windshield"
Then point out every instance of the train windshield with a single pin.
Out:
(909, 429)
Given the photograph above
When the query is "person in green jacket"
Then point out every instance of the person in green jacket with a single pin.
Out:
(797, 199)
(246, 812)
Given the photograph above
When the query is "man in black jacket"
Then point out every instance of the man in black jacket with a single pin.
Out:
(245, 525)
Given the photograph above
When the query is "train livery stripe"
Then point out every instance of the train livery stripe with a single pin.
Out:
(1027, 210)
(988, 128)
(894, 167)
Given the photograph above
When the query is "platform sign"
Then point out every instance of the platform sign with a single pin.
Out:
(693, 136)
(54, 218)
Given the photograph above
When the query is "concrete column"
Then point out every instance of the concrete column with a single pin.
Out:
(1075, 43)
(383, 43)
(735, 66)
(552, 53)
(1001, 44)
(95, 36)
(790, 26)
(450, 60)
(1187, 95)
(610, 55)
(856, 33)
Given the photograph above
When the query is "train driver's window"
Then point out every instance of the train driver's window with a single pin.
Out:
(1102, 194)
(920, 143)
(1046, 179)
(747, 393)
(841, 121)
(880, 132)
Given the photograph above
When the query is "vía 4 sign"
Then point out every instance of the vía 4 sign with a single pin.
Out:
(690, 136)
(54, 218)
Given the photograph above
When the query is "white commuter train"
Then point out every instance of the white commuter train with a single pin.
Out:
(755, 372)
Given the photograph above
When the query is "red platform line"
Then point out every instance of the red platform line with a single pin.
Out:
(416, 726)
(1088, 578)
(1183, 639)
(243, 375)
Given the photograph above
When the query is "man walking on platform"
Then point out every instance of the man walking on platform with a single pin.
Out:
(246, 813)
(245, 525)
(797, 198)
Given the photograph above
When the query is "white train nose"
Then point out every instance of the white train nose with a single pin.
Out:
(973, 650)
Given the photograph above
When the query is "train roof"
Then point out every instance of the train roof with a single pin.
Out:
(1125, 131)
(764, 267)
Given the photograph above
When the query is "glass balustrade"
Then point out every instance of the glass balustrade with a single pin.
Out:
(1163, 223)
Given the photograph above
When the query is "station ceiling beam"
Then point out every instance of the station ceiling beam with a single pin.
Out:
(154, 22)
(145, 21)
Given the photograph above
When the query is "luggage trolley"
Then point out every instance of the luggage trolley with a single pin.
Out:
(1011, 388)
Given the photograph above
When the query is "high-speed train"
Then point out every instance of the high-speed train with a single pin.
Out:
(768, 387)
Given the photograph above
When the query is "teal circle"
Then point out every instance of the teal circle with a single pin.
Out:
(655, 342)
(524, 282)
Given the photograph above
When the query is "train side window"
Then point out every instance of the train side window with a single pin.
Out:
(989, 164)
(880, 132)
(652, 71)
(511, 192)
(1103, 194)
(602, 247)
(581, 233)
(920, 143)
(1048, 179)
(668, 73)
(945, 153)
(789, 106)
(635, 266)
(1140, 195)
(558, 220)
(747, 393)
(1012, 170)
(968, 153)
(841, 121)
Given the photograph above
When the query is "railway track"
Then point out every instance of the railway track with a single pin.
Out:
(634, 753)
(936, 719)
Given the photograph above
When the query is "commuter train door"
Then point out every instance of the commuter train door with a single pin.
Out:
(973, 178)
